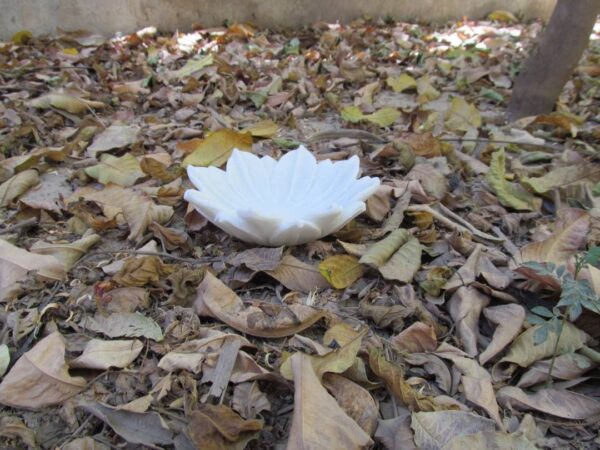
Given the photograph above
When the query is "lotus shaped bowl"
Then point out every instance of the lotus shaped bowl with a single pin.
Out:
(291, 201)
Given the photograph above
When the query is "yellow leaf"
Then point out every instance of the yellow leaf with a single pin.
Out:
(402, 83)
(123, 171)
(191, 66)
(393, 376)
(502, 16)
(352, 114)
(216, 148)
(70, 51)
(397, 257)
(17, 185)
(426, 91)
(341, 270)
(383, 117)
(264, 128)
(66, 102)
(462, 116)
(21, 37)
(67, 254)
(509, 194)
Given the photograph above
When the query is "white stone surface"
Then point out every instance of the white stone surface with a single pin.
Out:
(287, 202)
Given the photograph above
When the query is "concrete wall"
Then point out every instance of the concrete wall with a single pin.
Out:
(110, 16)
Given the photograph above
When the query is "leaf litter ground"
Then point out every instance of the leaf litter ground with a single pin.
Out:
(431, 321)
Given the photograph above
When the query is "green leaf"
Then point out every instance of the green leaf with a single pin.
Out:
(492, 95)
(593, 256)
(401, 83)
(541, 334)
(123, 171)
(535, 320)
(383, 117)
(352, 114)
(192, 66)
(341, 270)
(510, 194)
(542, 311)
(286, 143)
(462, 116)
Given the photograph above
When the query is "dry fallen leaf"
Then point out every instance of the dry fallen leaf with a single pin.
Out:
(267, 320)
(102, 355)
(556, 402)
(123, 171)
(217, 427)
(15, 263)
(40, 377)
(318, 421)
(341, 270)
(216, 148)
(113, 137)
(397, 257)
(17, 185)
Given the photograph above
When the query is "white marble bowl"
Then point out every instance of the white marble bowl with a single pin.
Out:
(287, 202)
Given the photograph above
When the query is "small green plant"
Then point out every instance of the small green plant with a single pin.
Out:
(576, 294)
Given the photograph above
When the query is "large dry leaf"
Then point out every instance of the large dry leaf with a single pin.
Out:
(137, 208)
(260, 319)
(115, 136)
(191, 355)
(462, 116)
(15, 263)
(341, 270)
(509, 320)
(17, 185)
(396, 434)
(419, 337)
(297, 275)
(465, 307)
(570, 234)
(397, 257)
(393, 376)
(124, 171)
(563, 176)
(124, 325)
(249, 401)
(65, 101)
(318, 421)
(491, 439)
(147, 429)
(49, 194)
(138, 272)
(336, 361)
(565, 367)
(102, 355)
(512, 195)
(40, 377)
(67, 254)
(476, 381)
(192, 66)
(433, 430)
(556, 402)
(355, 400)
(218, 427)
(216, 148)
(434, 366)
(524, 352)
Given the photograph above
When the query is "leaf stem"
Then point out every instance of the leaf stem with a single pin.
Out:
(554, 352)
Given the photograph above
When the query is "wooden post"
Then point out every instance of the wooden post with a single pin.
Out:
(549, 67)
